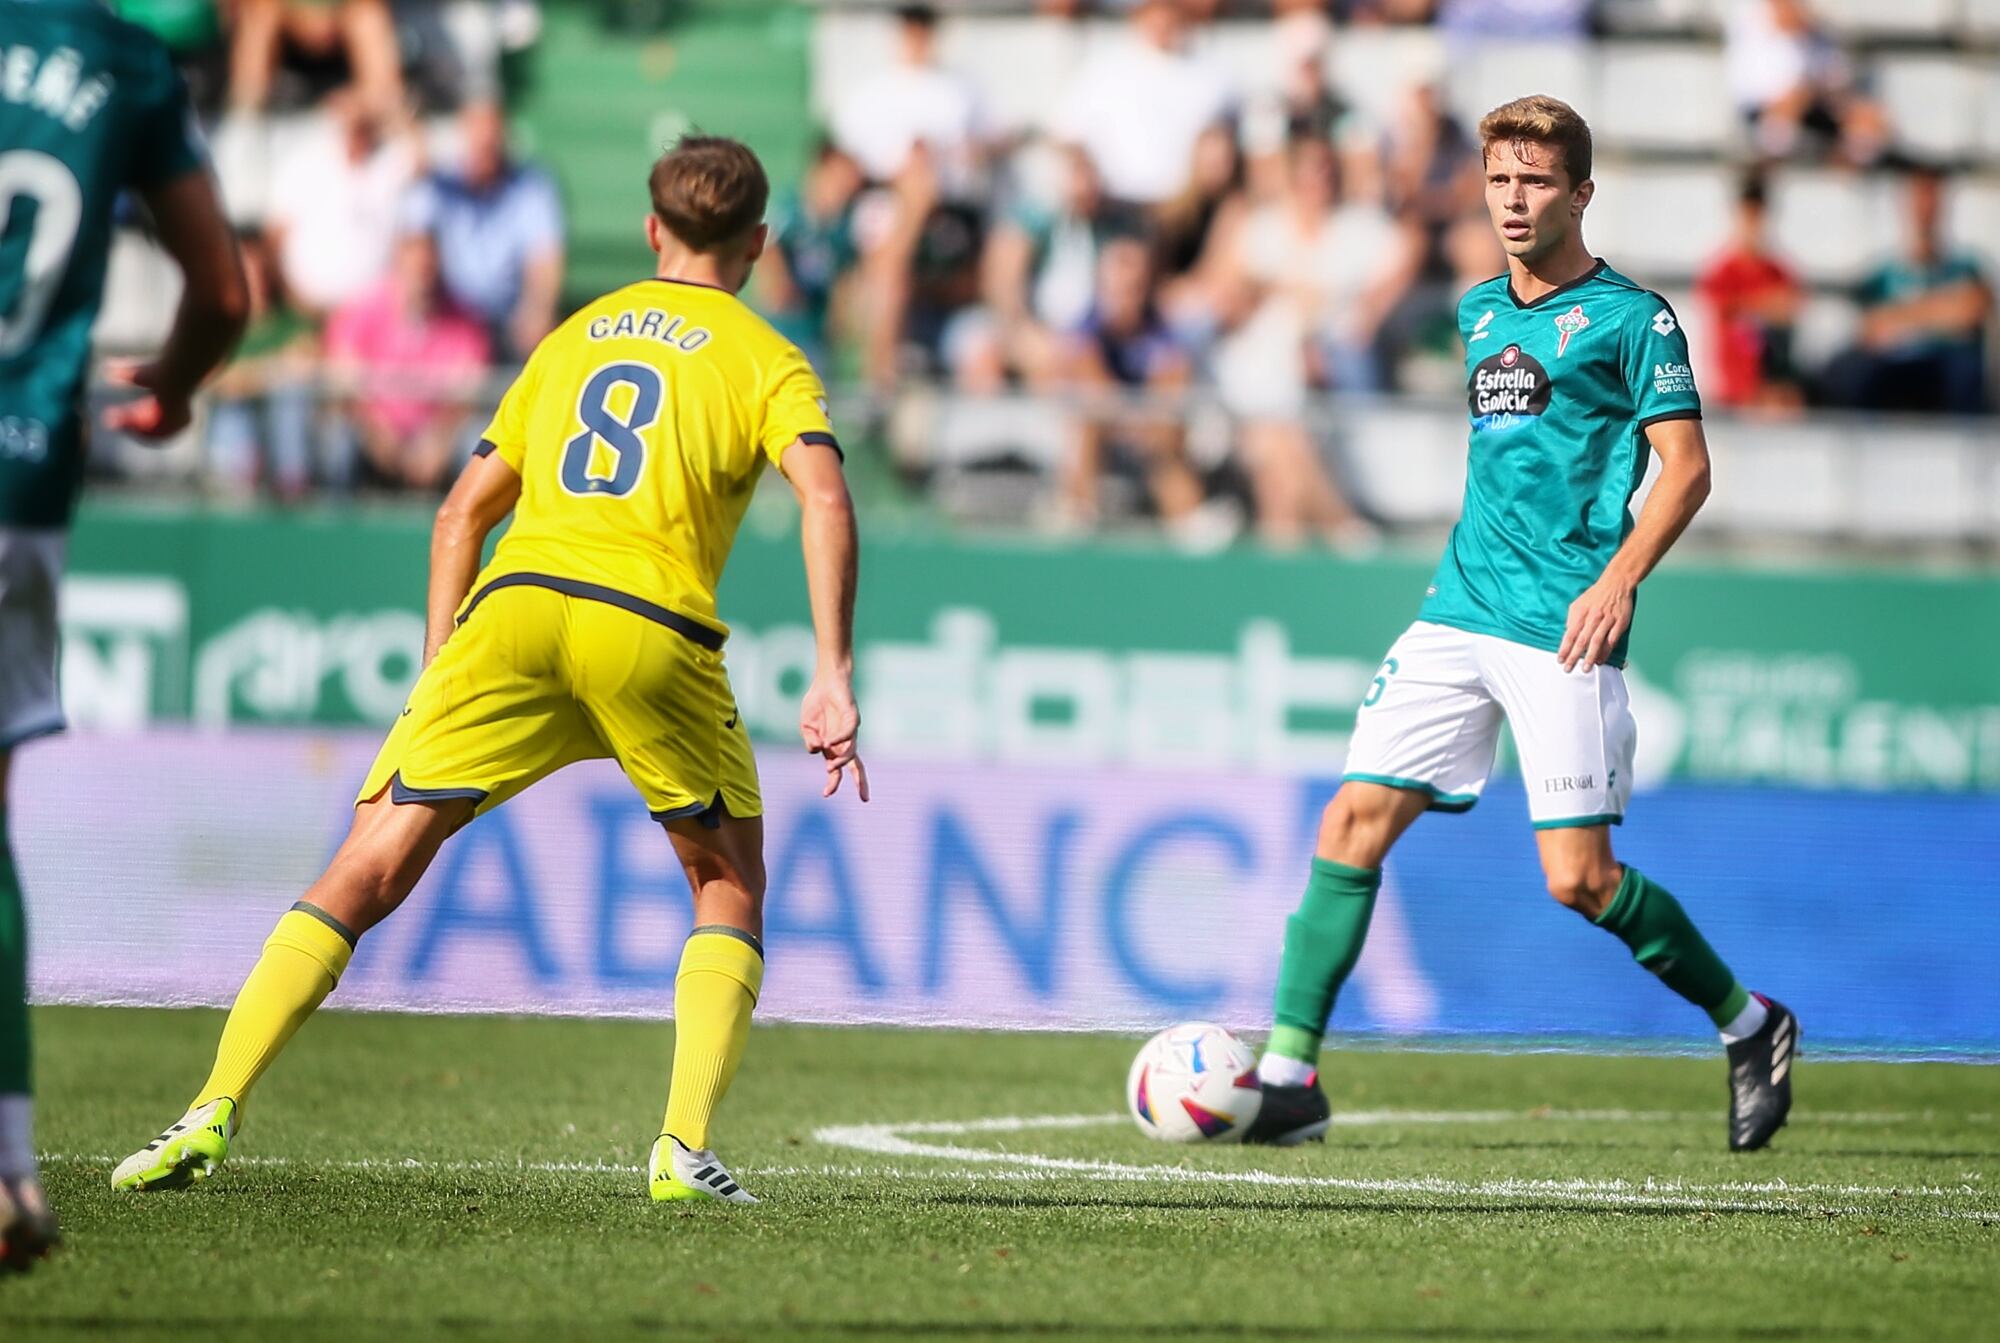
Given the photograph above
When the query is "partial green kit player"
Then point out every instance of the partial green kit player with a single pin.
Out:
(90, 107)
(1574, 375)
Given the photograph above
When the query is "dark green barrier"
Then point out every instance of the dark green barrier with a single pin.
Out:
(1089, 654)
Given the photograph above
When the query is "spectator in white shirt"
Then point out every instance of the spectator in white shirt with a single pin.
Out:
(1138, 108)
(914, 102)
(335, 206)
(1309, 278)
(1792, 82)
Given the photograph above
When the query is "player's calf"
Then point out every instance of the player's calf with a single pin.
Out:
(1364, 820)
(1586, 887)
(720, 975)
(1761, 1035)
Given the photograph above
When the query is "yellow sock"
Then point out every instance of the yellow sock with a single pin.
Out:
(722, 970)
(302, 961)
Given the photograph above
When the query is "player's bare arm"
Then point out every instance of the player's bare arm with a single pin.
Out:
(482, 496)
(828, 718)
(1599, 617)
(215, 304)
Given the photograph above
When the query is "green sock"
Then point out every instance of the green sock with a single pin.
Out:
(1322, 943)
(1647, 918)
(13, 974)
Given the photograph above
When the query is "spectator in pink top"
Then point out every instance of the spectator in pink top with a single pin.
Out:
(411, 364)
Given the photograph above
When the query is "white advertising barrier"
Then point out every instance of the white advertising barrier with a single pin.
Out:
(1007, 895)
(992, 896)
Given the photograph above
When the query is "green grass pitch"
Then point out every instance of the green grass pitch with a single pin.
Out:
(478, 1177)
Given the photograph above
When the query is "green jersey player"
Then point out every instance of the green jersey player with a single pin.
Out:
(90, 107)
(1574, 375)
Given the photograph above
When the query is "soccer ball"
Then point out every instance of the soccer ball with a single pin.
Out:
(1194, 1083)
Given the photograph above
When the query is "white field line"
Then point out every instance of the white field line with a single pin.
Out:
(1600, 1194)
(1039, 1168)
(492, 1166)
(894, 1140)
(1379, 1118)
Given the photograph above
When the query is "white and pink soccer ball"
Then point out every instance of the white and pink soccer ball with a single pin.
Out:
(1194, 1083)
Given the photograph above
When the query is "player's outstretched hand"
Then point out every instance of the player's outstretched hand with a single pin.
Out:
(1597, 621)
(831, 725)
(160, 414)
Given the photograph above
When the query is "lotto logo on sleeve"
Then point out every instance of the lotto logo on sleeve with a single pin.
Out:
(1663, 322)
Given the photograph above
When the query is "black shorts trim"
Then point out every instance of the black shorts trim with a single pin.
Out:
(1666, 415)
(710, 814)
(401, 793)
(824, 440)
(685, 626)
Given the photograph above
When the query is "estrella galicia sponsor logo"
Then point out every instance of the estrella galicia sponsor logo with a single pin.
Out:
(1507, 389)
(1569, 783)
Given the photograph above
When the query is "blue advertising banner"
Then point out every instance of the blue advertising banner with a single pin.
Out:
(1013, 895)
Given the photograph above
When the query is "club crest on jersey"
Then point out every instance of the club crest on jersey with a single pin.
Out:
(1569, 324)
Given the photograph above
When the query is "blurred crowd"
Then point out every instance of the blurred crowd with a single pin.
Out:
(400, 258)
(1269, 246)
(1174, 244)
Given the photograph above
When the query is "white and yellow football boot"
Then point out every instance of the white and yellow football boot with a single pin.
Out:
(681, 1173)
(190, 1149)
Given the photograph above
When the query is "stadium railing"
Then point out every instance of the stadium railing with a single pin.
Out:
(1825, 481)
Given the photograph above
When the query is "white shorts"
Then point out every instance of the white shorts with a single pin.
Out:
(1431, 721)
(31, 561)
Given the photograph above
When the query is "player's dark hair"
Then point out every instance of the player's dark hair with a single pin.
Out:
(1540, 119)
(1753, 190)
(917, 16)
(709, 191)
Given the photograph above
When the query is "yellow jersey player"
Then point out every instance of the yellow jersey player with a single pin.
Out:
(626, 451)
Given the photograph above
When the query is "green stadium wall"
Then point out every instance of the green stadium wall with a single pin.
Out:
(599, 97)
(1092, 655)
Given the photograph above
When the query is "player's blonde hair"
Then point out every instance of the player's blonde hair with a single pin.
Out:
(709, 191)
(1542, 120)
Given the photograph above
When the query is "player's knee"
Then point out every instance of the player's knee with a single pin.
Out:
(1354, 829)
(1583, 885)
(743, 872)
(749, 874)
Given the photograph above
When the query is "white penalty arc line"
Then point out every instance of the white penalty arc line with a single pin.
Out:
(897, 1140)
(986, 1165)
(1390, 1118)
(1059, 1171)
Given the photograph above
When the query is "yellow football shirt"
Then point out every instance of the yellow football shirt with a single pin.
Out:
(639, 428)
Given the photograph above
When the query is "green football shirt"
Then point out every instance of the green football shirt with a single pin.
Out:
(89, 106)
(1561, 391)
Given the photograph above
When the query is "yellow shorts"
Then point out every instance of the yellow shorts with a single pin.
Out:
(534, 679)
